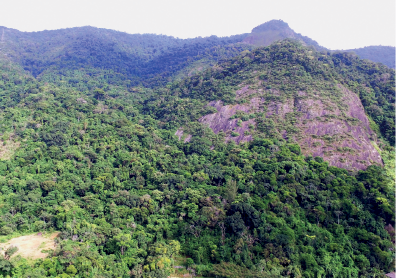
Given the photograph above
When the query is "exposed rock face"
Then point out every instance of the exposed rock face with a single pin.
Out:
(221, 121)
(343, 143)
(179, 133)
(341, 136)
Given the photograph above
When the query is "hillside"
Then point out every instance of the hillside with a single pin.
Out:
(379, 54)
(146, 59)
(140, 59)
(85, 54)
(275, 162)
(291, 92)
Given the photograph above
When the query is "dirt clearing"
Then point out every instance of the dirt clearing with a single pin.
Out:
(8, 146)
(31, 246)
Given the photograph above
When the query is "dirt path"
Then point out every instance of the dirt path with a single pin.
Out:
(31, 246)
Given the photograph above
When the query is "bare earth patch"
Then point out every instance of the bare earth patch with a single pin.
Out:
(7, 150)
(31, 246)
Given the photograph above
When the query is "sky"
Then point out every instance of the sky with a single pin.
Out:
(335, 24)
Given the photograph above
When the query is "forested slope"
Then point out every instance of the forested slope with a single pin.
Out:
(379, 54)
(292, 92)
(148, 58)
(99, 161)
(141, 59)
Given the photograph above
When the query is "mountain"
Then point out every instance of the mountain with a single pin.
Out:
(142, 59)
(378, 54)
(150, 156)
(290, 92)
(276, 30)
(148, 60)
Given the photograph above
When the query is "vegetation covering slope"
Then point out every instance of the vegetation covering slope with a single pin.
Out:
(379, 54)
(89, 149)
(99, 162)
(280, 72)
(137, 59)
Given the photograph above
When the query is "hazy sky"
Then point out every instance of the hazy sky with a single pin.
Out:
(335, 24)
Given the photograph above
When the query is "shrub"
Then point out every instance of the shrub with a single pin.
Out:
(5, 230)
(71, 269)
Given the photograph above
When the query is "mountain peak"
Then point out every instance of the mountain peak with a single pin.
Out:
(278, 25)
(277, 30)
(269, 32)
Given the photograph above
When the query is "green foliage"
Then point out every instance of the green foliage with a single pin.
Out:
(101, 164)
(72, 55)
(71, 270)
(6, 264)
(375, 85)
(378, 54)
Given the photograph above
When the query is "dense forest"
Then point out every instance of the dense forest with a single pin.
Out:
(89, 149)
(147, 59)
(379, 54)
